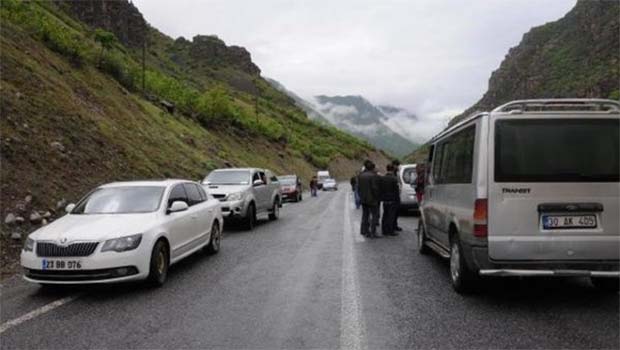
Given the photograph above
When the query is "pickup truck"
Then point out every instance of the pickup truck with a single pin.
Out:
(245, 194)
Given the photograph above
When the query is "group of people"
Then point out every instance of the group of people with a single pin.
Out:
(372, 189)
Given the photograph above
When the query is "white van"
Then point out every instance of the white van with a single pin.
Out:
(530, 189)
(407, 176)
(321, 176)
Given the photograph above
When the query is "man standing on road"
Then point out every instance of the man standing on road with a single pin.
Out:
(390, 196)
(356, 193)
(396, 165)
(314, 186)
(368, 187)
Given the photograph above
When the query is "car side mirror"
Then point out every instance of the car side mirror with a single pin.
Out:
(69, 208)
(177, 206)
(257, 183)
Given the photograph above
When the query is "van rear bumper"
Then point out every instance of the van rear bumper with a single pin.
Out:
(481, 262)
(542, 273)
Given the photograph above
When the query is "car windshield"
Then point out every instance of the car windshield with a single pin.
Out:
(234, 177)
(409, 175)
(568, 150)
(121, 200)
(287, 180)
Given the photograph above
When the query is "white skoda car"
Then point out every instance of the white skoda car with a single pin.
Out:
(124, 231)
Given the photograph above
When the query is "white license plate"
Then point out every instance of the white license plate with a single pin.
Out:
(54, 264)
(551, 222)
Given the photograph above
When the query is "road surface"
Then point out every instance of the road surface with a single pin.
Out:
(309, 280)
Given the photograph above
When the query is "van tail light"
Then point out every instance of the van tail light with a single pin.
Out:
(481, 208)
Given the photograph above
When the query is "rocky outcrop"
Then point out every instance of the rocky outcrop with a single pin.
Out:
(575, 56)
(212, 51)
(120, 17)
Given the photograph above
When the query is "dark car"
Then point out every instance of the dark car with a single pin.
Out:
(290, 185)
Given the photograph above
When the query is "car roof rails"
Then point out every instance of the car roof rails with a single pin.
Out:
(560, 105)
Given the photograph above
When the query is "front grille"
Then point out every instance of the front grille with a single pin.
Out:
(221, 197)
(76, 249)
(80, 275)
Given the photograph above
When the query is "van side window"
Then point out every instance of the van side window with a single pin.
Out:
(457, 158)
(436, 171)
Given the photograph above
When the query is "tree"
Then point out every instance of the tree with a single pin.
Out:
(106, 40)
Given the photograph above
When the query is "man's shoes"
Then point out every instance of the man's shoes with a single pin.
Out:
(398, 228)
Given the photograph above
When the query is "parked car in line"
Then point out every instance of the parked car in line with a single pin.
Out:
(530, 189)
(330, 185)
(321, 176)
(291, 188)
(407, 175)
(245, 193)
(124, 231)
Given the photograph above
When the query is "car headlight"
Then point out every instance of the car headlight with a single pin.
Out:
(235, 196)
(122, 244)
(29, 245)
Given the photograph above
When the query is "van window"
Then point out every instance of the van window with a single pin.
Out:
(566, 150)
(456, 158)
(409, 175)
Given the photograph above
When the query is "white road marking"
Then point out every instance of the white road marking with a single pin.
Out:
(35, 313)
(352, 328)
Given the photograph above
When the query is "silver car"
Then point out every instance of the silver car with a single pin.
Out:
(530, 189)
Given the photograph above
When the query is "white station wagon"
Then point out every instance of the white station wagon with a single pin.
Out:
(124, 231)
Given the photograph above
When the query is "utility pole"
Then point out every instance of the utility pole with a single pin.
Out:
(144, 60)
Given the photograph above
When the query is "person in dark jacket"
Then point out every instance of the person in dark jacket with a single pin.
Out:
(314, 186)
(390, 196)
(368, 187)
(396, 165)
(356, 194)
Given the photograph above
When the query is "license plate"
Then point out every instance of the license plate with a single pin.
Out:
(51, 264)
(551, 222)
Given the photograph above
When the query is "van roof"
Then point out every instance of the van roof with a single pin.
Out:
(543, 106)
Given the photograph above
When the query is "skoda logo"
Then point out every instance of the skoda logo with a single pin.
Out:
(63, 241)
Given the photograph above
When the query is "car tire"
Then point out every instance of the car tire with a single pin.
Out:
(250, 220)
(423, 249)
(275, 211)
(610, 284)
(214, 242)
(160, 261)
(461, 275)
(301, 197)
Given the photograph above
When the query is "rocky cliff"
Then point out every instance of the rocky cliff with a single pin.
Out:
(575, 56)
(119, 17)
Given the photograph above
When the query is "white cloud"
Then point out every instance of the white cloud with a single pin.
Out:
(433, 57)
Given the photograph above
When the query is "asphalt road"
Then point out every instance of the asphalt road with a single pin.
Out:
(309, 280)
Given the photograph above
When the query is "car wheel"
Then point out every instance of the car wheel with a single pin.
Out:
(250, 220)
(462, 277)
(275, 211)
(301, 197)
(610, 284)
(422, 248)
(159, 264)
(216, 237)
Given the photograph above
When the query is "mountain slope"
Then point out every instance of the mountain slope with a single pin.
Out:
(575, 56)
(73, 113)
(359, 117)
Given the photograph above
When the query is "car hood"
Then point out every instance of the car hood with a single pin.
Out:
(95, 227)
(225, 189)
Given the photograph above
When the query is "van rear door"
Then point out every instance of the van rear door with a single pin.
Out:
(554, 187)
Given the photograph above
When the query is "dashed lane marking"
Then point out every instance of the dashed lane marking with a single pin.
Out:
(352, 328)
(36, 313)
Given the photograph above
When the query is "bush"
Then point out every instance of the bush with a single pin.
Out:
(214, 105)
(113, 64)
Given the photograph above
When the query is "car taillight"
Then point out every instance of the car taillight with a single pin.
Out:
(480, 218)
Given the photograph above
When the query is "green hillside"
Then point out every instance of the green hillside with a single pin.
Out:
(74, 115)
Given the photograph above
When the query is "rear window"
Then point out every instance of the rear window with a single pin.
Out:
(567, 150)
(409, 175)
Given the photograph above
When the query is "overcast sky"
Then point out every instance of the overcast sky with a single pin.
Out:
(433, 57)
